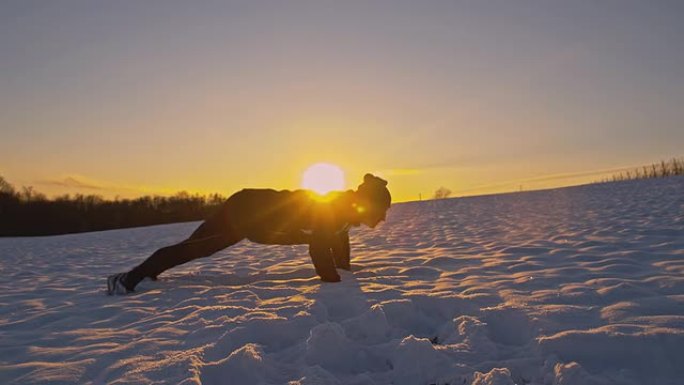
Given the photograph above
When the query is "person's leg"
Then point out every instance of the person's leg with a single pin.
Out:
(212, 235)
(340, 251)
(322, 258)
(178, 254)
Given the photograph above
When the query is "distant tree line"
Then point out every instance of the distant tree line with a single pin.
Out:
(26, 212)
(656, 170)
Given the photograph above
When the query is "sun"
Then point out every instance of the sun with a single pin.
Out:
(323, 178)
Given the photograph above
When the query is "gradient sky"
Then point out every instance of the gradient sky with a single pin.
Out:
(137, 97)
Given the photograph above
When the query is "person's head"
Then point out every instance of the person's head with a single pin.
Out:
(372, 200)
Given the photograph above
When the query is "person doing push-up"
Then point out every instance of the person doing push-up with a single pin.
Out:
(274, 217)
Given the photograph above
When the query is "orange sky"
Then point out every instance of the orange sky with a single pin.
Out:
(131, 98)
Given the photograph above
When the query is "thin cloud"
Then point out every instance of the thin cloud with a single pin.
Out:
(547, 178)
(401, 171)
(74, 181)
(107, 188)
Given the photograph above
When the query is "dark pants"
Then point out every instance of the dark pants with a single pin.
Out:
(210, 237)
(217, 233)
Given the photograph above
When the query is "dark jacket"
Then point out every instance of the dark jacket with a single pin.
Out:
(294, 217)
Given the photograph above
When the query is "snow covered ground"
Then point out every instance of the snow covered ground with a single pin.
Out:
(580, 285)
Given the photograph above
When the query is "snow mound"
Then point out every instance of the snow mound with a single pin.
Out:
(467, 333)
(573, 374)
(328, 347)
(370, 327)
(416, 360)
(243, 366)
(496, 376)
(315, 375)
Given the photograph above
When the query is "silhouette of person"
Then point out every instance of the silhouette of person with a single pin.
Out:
(274, 217)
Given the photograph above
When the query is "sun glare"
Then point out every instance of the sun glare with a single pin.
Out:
(323, 178)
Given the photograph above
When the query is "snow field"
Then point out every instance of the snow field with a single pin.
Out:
(571, 286)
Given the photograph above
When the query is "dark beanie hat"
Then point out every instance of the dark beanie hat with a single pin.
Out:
(375, 190)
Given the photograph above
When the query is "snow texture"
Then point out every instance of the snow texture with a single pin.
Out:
(571, 286)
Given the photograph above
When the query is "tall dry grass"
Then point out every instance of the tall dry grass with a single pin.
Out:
(674, 166)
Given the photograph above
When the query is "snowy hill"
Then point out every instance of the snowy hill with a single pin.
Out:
(580, 285)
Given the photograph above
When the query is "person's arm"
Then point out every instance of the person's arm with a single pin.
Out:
(340, 250)
(320, 250)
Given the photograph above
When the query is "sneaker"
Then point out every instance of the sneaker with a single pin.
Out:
(115, 284)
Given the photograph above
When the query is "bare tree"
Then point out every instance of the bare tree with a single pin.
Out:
(6, 187)
(442, 193)
(27, 193)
